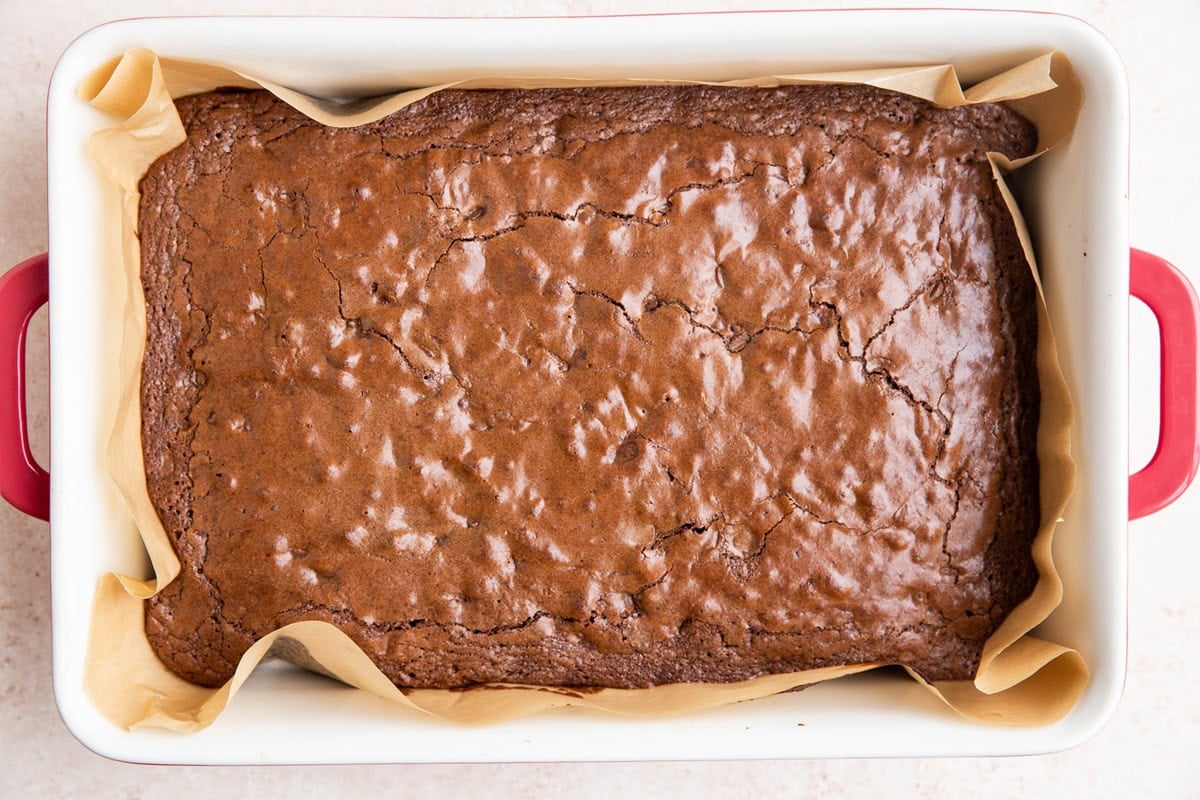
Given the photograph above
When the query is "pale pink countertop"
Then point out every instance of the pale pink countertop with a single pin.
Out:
(1147, 750)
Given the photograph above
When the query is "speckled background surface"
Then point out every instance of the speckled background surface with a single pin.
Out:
(1147, 749)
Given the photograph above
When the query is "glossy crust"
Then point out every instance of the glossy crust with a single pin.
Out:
(598, 387)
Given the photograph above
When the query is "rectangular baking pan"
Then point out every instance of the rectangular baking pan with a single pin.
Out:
(1076, 200)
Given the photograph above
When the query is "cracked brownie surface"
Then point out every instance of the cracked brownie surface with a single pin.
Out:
(593, 387)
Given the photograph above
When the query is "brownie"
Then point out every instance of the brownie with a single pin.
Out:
(591, 387)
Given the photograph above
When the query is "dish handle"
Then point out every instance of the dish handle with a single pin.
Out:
(1172, 299)
(23, 483)
(1153, 280)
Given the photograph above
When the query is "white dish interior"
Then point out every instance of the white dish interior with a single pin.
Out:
(1076, 202)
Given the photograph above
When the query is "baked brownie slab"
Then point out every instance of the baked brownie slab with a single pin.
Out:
(594, 387)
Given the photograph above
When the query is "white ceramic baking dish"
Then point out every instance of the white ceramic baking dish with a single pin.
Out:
(1076, 199)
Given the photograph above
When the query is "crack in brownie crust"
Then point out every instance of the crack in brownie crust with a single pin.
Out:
(597, 387)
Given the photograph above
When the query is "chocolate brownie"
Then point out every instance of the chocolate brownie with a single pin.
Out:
(591, 387)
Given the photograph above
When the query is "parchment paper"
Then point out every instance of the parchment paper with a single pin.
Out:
(1022, 680)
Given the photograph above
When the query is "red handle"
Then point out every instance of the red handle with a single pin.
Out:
(1171, 297)
(23, 290)
(1162, 287)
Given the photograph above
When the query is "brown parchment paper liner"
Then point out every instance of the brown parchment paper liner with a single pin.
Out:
(1022, 680)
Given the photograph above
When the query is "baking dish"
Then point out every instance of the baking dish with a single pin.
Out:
(1077, 205)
